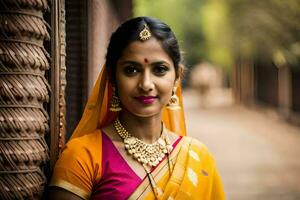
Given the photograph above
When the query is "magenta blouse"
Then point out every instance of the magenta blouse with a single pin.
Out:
(118, 179)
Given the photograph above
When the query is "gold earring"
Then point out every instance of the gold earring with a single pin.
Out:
(174, 101)
(115, 102)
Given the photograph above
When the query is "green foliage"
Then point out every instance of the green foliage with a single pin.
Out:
(183, 17)
(221, 31)
(268, 29)
(214, 20)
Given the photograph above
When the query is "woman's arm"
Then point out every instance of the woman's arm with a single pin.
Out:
(55, 193)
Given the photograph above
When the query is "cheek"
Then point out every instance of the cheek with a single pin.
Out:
(167, 83)
(120, 84)
(125, 86)
(166, 87)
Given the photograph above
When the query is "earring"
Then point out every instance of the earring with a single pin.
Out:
(174, 101)
(115, 102)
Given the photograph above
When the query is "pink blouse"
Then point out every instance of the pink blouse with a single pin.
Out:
(118, 179)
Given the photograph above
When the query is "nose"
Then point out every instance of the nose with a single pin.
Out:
(146, 82)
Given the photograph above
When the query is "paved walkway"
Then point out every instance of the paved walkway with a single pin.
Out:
(258, 154)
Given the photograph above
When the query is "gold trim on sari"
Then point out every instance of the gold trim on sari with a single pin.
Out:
(70, 187)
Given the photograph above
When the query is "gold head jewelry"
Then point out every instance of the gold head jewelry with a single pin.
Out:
(145, 34)
(174, 101)
(115, 102)
(146, 154)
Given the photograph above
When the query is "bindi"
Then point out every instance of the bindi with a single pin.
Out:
(145, 60)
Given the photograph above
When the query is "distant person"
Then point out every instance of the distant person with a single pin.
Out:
(204, 78)
(130, 142)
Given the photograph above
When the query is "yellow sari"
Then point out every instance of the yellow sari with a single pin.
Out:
(193, 174)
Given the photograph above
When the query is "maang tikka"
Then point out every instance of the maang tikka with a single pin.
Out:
(145, 34)
(115, 102)
(174, 101)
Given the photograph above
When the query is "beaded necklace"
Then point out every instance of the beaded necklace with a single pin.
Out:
(149, 155)
(146, 154)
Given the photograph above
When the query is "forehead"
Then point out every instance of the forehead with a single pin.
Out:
(150, 49)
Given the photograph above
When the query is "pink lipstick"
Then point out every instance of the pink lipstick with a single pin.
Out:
(146, 99)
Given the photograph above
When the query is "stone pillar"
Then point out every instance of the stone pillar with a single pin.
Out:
(247, 83)
(236, 82)
(284, 91)
(24, 91)
(243, 82)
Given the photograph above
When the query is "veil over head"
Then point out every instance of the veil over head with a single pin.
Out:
(97, 114)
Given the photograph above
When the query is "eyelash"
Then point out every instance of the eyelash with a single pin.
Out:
(159, 70)
(129, 70)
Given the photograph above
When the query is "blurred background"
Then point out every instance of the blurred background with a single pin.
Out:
(242, 88)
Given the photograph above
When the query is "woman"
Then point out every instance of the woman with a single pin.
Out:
(129, 143)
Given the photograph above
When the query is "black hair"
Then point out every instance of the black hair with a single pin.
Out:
(129, 31)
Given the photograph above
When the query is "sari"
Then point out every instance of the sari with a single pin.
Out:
(81, 168)
(194, 175)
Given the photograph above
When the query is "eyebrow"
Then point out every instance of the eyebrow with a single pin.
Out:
(160, 62)
(139, 64)
(129, 62)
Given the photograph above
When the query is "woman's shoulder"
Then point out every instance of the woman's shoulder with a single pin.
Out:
(79, 164)
(89, 142)
(195, 142)
(198, 147)
(188, 141)
(93, 137)
(82, 151)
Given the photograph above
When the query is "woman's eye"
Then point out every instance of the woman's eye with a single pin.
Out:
(130, 70)
(160, 70)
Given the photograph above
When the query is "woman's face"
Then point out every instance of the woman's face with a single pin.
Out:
(145, 77)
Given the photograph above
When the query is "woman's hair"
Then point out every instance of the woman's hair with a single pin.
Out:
(129, 31)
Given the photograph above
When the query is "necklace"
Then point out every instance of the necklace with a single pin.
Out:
(147, 154)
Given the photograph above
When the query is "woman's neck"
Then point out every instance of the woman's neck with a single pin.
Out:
(147, 129)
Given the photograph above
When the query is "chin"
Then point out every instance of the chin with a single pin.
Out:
(144, 115)
(145, 112)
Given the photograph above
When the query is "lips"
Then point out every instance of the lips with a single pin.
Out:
(146, 99)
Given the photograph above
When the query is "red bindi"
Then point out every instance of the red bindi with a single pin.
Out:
(145, 60)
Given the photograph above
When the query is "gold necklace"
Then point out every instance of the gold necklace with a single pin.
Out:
(146, 154)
